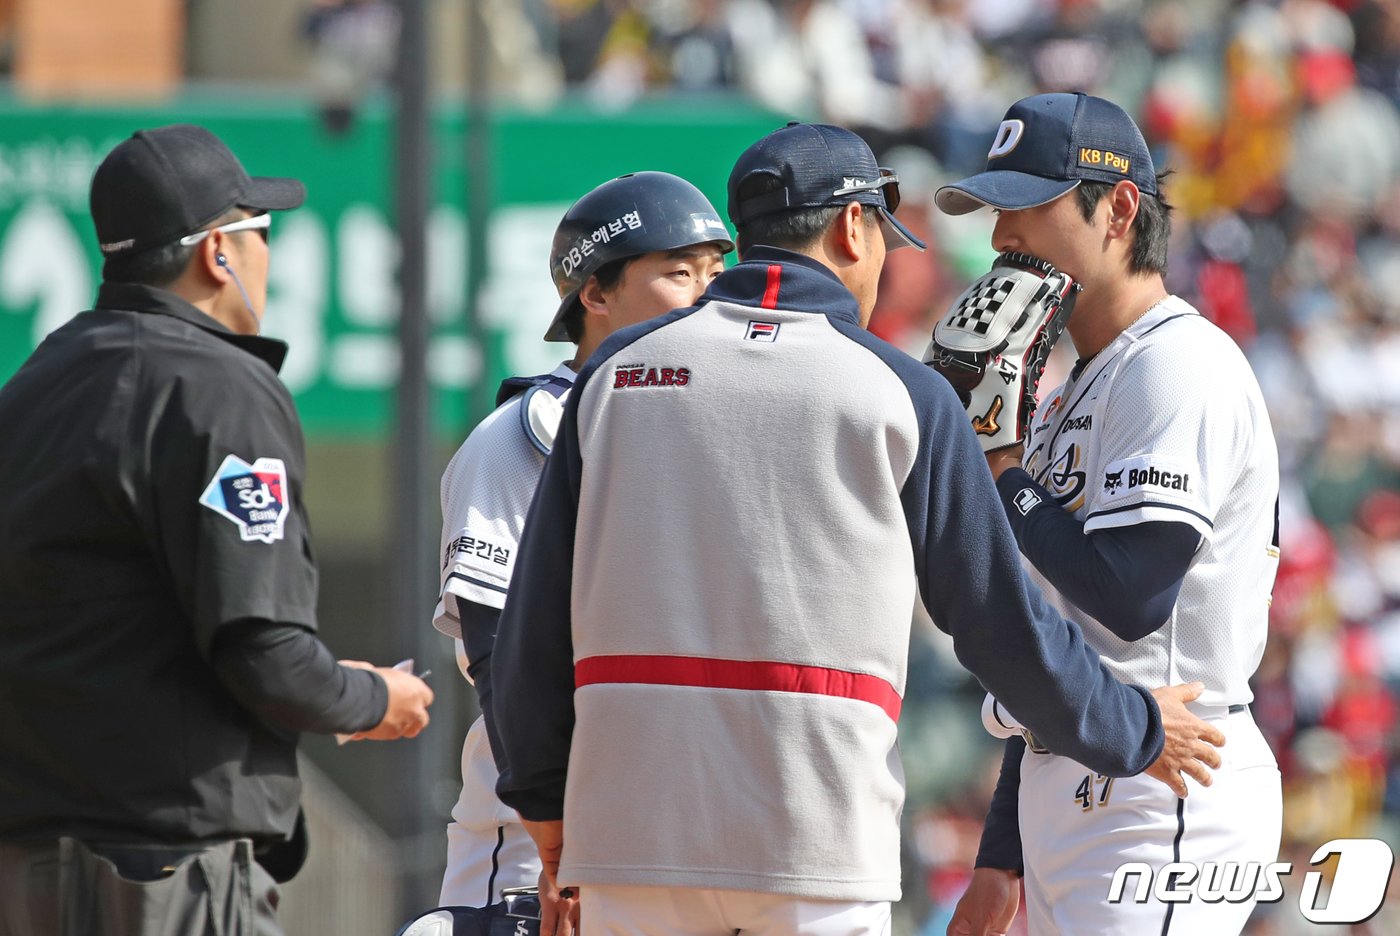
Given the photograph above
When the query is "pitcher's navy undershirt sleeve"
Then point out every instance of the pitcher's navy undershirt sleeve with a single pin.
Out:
(1127, 578)
(1001, 833)
(968, 566)
(479, 625)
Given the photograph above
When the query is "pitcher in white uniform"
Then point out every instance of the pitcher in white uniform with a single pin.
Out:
(1144, 500)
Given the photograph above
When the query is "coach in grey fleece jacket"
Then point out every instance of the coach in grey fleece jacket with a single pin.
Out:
(705, 644)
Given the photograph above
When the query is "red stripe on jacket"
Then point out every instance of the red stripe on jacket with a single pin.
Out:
(759, 675)
(775, 278)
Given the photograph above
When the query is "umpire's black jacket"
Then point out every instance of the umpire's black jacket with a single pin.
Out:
(150, 507)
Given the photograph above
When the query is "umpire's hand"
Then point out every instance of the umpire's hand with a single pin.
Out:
(1190, 745)
(407, 711)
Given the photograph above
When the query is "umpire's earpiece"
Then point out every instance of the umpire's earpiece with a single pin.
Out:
(222, 261)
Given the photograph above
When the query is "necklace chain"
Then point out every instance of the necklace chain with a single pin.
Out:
(1147, 310)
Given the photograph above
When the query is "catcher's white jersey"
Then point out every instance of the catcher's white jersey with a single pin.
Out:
(486, 494)
(1168, 423)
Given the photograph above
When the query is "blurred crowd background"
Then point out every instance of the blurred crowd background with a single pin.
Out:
(1280, 120)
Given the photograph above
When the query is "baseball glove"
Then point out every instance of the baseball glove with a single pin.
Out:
(993, 344)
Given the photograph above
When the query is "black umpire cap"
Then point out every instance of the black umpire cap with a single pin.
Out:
(816, 166)
(162, 184)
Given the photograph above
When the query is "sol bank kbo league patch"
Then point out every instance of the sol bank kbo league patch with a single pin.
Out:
(252, 496)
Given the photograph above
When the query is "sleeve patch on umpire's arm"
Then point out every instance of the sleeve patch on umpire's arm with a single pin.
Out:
(1026, 500)
(1157, 474)
(253, 496)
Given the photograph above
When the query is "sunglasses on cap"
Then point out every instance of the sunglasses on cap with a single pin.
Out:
(259, 223)
(887, 185)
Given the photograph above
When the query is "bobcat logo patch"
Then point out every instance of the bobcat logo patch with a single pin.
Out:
(1150, 475)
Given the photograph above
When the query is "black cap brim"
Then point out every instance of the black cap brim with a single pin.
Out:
(896, 234)
(273, 194)
(556, 330)
(1001, 188)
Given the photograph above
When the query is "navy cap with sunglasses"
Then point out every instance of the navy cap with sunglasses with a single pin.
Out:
(1046, 146)
(816, 166)
(167, 184)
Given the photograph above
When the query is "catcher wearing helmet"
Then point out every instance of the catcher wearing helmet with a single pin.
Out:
(629, 250)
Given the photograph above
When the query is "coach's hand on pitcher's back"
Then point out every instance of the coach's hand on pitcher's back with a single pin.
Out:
(1190, 743)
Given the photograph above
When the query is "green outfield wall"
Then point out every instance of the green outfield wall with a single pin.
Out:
(332, 290)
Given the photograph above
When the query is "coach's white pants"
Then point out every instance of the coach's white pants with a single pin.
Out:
(1071, 852)
(693, 911)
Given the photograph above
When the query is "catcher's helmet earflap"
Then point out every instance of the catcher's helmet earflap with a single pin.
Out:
(629, 216)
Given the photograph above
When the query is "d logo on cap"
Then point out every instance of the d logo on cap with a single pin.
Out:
(1046, 145)
(1008, 135)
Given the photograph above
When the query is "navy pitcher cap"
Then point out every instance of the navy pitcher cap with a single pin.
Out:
(1045, 146)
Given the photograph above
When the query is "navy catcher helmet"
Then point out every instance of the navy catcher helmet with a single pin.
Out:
(632, 215)
(517, 915)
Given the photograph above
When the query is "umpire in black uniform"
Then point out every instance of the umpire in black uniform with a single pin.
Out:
(158, 654)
